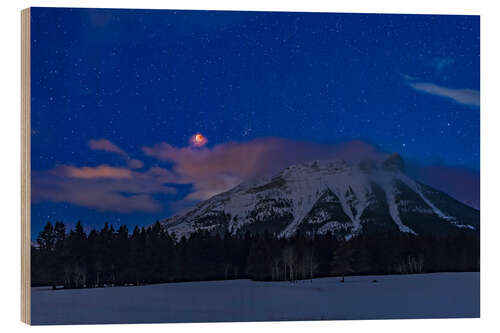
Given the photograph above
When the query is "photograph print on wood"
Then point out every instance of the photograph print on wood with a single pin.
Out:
(224, 166)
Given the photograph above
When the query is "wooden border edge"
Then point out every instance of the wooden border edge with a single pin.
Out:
(25, 166)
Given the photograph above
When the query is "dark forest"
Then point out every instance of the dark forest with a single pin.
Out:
(110, 257)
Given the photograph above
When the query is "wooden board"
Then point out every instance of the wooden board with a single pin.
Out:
(25, 168)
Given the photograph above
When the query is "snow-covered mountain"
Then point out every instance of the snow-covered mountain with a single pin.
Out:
(341, 196)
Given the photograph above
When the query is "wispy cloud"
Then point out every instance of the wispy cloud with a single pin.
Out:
(463, 96)
(209, 170)
(98, 172)
(441, 63)
(134, 164)
(103, 188)
(108, 146)
(217, 169)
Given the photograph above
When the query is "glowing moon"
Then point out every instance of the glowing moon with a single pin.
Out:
(198, 140)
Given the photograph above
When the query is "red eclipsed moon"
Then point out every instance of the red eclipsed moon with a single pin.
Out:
(198, 140)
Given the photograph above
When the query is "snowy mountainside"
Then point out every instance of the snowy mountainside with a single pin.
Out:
(340, 196)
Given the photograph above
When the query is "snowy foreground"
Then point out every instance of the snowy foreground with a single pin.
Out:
(440, 295)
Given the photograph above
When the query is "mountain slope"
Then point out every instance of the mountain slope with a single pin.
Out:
(340, 196)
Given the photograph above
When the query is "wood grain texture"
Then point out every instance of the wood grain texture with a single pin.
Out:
(25, 168)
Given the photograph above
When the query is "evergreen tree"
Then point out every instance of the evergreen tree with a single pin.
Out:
(46, 238)
(151, 255)
(259, 259)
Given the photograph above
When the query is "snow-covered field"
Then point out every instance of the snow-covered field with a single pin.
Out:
(440, 295)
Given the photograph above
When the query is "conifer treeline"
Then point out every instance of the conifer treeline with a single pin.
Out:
(110, 257)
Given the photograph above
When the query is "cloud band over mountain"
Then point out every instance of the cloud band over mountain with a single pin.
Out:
(209, 171)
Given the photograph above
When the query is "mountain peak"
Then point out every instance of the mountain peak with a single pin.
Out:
(393, 162)
(366, 164)
(341, 196)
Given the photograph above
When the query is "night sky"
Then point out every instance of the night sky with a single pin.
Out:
(117, 95)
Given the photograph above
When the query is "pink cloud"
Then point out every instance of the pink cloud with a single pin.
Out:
(210, 170)
(106, 145)
(135, 164)
(100, 188)
(218, 169)
(104, 187)
(101, 171)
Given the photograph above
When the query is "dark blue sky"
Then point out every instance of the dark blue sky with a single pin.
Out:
(406, 83)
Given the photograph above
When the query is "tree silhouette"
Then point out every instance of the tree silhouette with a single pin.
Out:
(109, 257)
